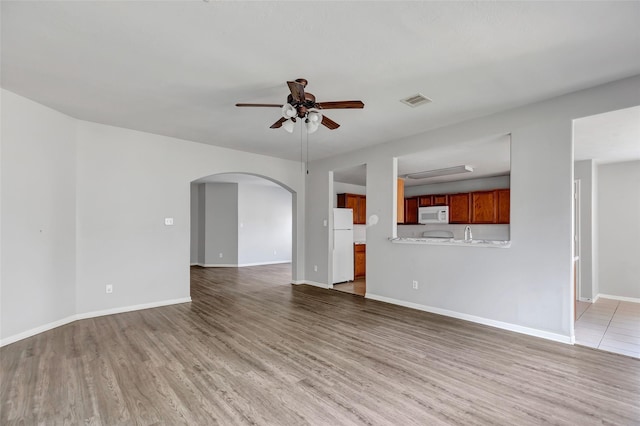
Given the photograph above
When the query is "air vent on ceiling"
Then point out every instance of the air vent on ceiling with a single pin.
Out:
(416, 100)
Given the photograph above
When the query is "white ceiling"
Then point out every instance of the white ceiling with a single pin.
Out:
(178, 67)
(608, 138)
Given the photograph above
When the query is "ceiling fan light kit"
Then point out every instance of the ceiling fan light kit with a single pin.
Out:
(303, 105)
(288, 126)
(289, 111)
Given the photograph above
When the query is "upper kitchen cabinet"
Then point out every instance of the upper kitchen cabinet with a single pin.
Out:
(433, 200)
(410, 210)
(356, 202)
(459, 208)
(504, 205)
(490, 206)
(483, 207)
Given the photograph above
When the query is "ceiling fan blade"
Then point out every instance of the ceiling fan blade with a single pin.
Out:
(340, 104)
(297, 90)
(260, 105)
(278, 123)
(329, 123)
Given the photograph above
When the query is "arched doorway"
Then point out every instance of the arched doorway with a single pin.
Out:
(242, 219)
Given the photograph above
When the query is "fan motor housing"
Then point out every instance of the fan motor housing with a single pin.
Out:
(303, 107)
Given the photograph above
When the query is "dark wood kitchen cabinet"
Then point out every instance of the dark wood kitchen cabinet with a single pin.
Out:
(411, 210)
(433, 200)
(459, 208)
(484, 207)
(425, 200)
(504, 205)
(356, 202)
(359, 260)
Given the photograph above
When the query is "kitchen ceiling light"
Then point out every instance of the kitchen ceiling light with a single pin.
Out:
(440, 172)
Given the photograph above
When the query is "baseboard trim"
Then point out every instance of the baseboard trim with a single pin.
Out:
(621, 298)
(37, 330)
(313, 283)
(131, 308)
(585, 299)
(472, 318)
(217, 265)
(76, 317)
(278, 262)
(238, 265)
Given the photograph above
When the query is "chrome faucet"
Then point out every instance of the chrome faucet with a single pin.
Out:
(467, 234)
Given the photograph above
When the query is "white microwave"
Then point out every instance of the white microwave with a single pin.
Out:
(434, 214)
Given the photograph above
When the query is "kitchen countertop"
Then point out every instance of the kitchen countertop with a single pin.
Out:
(359, 242)
(451, 242)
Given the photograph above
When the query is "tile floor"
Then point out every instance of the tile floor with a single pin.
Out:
(354, 287)
(610, 325)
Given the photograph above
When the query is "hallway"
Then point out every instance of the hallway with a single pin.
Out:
(609, 325)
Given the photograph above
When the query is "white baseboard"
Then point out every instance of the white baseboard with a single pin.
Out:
(480, 320)
(217, 265)
(622, 298)
(238, 265)
(585, 299)
(130, 308)
(277, 262)
(313, 283)
(37, 330)
(76, 317)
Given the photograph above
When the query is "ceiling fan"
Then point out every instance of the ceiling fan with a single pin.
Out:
(303, 105)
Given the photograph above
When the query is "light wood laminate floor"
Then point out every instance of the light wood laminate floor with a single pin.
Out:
(253, 349)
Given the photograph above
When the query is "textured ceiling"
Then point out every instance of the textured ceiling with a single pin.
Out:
(178, 67)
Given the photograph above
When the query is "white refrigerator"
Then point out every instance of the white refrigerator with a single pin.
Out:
(342, 245)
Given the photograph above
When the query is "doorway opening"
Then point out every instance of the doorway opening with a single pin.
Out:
(349, 233)
(240, 220)
(607, 168)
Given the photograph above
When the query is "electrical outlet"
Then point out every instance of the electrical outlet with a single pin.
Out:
(415, 284)
(220, 255)
(315, 268)
(109, 288)
(168, 221)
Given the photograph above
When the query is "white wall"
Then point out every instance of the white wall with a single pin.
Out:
(195, 224)
(619, 229)
(264, 229)
(128, 182)
(220, 231)
(527, 287)
(38, 215)
(109, 190)
(585, 172)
